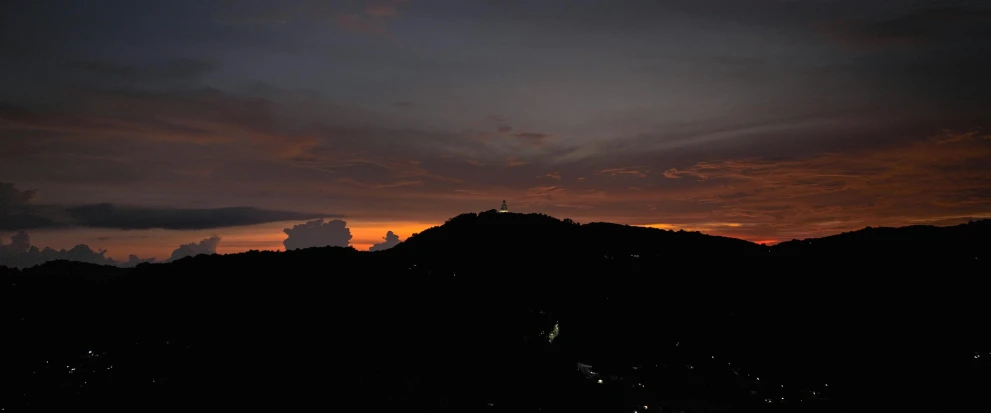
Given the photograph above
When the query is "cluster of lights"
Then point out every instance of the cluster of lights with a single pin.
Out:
(586, 369)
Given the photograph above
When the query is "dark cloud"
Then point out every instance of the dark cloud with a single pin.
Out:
(391, 240)
(207, 246)
(317, 233)
(403, 104)
(533, 138)
(110, 216)
(17, 212)
(915, 27)
(133, 260)
(504, 128)
(21, 254)
(174, 70)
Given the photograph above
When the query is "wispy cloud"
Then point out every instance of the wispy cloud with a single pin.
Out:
(637, 171)
(533, 138)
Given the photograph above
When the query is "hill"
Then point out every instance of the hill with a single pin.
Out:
(503, 312)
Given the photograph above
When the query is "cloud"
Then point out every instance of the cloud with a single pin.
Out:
(397, 184)
(111, 216)
(391, 240)
(944, 177)
(203, 116)
(207, 246)
(514, 161)
(533, 138)
(17, 212)
(636, 171)
(403, 104)
(912, 28)
(672, 173)
(504, 128)
(168, 71)
(552, 175)
(21, 254)
(317, 233)
(133, 260)
(373, 20)
(545, 190)
(387, 8)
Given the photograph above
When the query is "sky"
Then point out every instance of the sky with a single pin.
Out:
(139, 127)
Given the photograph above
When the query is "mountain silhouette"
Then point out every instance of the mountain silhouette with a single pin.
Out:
(460, 318)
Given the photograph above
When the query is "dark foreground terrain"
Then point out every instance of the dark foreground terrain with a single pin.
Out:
(517, 313)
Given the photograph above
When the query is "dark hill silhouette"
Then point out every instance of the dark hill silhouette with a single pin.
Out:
(964, 241)
(457, 319)
(538, 234)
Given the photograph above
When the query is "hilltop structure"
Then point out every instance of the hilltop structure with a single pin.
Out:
(504, 208)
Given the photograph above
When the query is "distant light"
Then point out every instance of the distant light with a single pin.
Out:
(600, 381)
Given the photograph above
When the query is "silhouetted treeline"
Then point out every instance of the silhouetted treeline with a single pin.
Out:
(457, 319)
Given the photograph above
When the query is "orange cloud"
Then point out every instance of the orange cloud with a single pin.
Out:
(636, 171)
(396, 184)
(513, 161)
(373, 20)
(942, 178)
(384, 8)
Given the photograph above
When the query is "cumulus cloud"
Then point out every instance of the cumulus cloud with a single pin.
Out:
(17, 212)
(207, 246)
(391, 240)
(133, 260)
(21, 254)
(317, 233)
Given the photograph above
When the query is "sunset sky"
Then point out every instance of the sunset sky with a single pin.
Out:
(128, 125)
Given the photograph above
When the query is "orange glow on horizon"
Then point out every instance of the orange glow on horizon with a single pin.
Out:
(364, 234)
